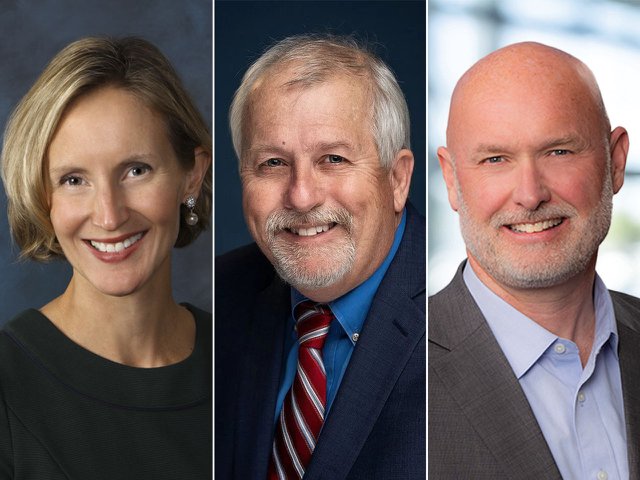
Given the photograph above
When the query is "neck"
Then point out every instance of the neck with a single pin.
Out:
(566, 310)
(144, 329)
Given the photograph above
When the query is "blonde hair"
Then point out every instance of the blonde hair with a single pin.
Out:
(130, 63)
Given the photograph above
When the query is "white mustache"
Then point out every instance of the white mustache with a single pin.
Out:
(288, 219)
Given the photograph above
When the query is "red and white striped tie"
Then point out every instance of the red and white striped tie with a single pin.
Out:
(302, 411)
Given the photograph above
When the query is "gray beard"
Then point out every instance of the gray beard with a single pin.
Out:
(289, 262)
(333, 261)
(560, 264)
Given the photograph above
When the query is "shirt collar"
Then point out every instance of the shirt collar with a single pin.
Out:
(521, 339)
(352, 308)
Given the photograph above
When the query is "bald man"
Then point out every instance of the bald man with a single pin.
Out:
(534, 366)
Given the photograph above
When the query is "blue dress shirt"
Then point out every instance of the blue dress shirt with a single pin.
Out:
(580, 410)
(350, 311)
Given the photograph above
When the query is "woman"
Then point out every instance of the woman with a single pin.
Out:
(106, 162)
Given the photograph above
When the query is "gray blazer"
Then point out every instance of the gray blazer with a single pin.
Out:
(480, 423)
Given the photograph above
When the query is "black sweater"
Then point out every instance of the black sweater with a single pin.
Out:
(66, 413)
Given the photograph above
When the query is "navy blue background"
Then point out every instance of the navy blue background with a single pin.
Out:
(31, 33)
(244, 29)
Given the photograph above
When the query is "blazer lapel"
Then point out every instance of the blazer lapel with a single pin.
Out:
(387, 342)
(260, 380)
(393, 329)
(628, 351)
(480, 379)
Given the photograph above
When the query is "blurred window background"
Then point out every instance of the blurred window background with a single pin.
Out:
(605, 35)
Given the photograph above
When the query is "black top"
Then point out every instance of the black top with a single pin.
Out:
(66, 413)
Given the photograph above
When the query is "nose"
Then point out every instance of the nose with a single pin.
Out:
(304, 191)
(531, 190)
(109, 209)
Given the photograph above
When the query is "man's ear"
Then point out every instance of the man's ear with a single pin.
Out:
(446, 165)
(195, 176)
(619, 149)
(400, 175)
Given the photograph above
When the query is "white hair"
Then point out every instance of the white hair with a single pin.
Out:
(319, 58)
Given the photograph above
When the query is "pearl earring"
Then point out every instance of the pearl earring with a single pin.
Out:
(191, 218)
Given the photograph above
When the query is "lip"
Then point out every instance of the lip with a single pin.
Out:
(115, 257)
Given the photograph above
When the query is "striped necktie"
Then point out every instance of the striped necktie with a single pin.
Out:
(302, 411)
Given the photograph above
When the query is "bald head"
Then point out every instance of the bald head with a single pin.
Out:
(531, 167)
(527, 73)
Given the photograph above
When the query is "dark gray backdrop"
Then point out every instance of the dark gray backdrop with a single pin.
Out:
(244, 29)
(31, 32)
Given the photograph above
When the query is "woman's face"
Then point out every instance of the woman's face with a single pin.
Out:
(115, 192)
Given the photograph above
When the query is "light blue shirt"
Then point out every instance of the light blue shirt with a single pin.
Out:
(580, 411)
(350, 311)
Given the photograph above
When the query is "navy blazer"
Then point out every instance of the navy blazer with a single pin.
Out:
(376, 425)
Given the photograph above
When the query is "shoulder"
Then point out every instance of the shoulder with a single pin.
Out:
(200, 315)
(16, 368)
(625, 300)
(242, 277)
(244, 268)
(204, 324)
(415, 230)
(453, 297)
(6, 447)
(454, 316)
(627, 309)
(21, 317)
(407, 272)
(447, 302)
(20, 330)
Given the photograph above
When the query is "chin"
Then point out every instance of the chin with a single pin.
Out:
(117, 287)
(305, 277)
(315, 268)
(117, 292)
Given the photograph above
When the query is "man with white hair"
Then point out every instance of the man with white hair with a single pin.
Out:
(320, 325)
(533, 363)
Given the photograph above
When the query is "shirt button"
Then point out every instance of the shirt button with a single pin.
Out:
(355, 337)
(560, 348)
(581, 398)
(602, 475)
